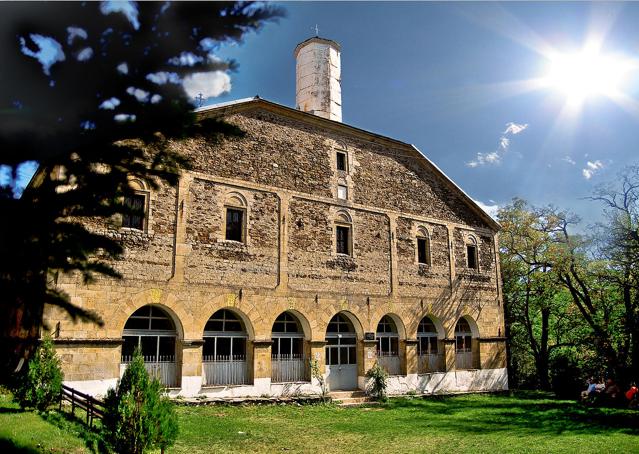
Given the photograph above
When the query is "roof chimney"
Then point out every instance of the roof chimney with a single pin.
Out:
(318, 78)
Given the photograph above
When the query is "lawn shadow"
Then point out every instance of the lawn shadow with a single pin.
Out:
(524, 414)
(69, 422)
(10, 411)
(9, 446)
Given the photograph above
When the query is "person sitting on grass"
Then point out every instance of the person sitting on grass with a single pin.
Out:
(632, 395)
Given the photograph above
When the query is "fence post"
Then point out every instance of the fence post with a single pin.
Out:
(73, 401)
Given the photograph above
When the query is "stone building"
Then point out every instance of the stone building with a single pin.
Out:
(304, 241)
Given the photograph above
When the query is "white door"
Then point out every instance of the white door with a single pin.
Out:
(341, 362)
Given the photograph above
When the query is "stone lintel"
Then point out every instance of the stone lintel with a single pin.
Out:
(492, 339)
(104, 341)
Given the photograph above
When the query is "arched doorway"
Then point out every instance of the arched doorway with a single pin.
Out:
(428, 349)
(288, 359)
(152, 330)
(224, 352)
(464, 357)
(341, 354)
(388, 345)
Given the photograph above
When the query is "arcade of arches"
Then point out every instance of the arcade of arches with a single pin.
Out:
(229, 354)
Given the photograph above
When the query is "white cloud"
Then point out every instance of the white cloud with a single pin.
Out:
(85, 54)
(592, 168)
(140, 95)
(156, 99)
(569, 160)
(121, 118)
(123, 68)
(163, 77)
(490, 209)
(209, 84)
(494, 157)
(128, 8)
(49, 51)
(110, 104)
(515, 128)
(75, 32)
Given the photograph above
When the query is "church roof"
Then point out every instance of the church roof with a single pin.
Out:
(236, 106)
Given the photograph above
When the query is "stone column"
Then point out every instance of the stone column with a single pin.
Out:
(369, 348)
(392, 221)
(282, 285)
(412, 362)
(262, 365)
(181, 249)
(449, 354)
(318, 353)
(191, 365)
(451, 253)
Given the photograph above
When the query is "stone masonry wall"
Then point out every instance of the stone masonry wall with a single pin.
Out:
(313, 263)
(215, 261)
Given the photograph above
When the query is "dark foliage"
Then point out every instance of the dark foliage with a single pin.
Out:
(86, 154)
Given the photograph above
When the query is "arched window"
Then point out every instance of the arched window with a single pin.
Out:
(224, 352)
(136, 206)
(463, 345)
(235, 217)
(288, 361)
(388, 345)
(344, 234)
(472, 260)
(423, 247)
(151, 329)
(430, 359)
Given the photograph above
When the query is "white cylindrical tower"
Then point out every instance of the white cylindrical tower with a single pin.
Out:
(318, 78)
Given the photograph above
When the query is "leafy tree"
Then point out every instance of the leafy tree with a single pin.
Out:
(377, 382)
(41, 385)
(94, 96)
(137, 416)
(538, 308)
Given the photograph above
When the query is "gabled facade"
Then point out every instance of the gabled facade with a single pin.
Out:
(305, 242)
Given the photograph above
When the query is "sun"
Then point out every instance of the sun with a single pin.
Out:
(586, 74)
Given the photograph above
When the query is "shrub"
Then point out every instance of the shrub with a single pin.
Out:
(377, 382)
(41, 384)
(138, 417)
(317, 375)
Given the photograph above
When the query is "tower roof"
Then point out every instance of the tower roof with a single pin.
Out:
(316, 39)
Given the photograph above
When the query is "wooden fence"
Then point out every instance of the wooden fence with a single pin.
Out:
(93, 406)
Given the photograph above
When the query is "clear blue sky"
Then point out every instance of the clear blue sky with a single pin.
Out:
(448, 77)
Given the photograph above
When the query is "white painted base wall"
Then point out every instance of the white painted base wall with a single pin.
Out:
(436, 383)
(450, 382)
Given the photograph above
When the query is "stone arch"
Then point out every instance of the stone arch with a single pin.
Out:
(246, 322)
(439, 326)
(343, 216)
(166, 302)
(357, 326)
(474, 328)
(399, 324)
(235, 198)
(330, 309)
(301, 318)
(138, 184)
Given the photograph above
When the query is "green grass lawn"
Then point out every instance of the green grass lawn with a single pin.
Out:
(28, 432)
(523, 422)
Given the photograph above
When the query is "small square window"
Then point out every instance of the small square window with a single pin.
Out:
(471, 256)
(235, 224)
(423, 252)
(341, 161)
(342, 192)
(134, 219)
(343, 239)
